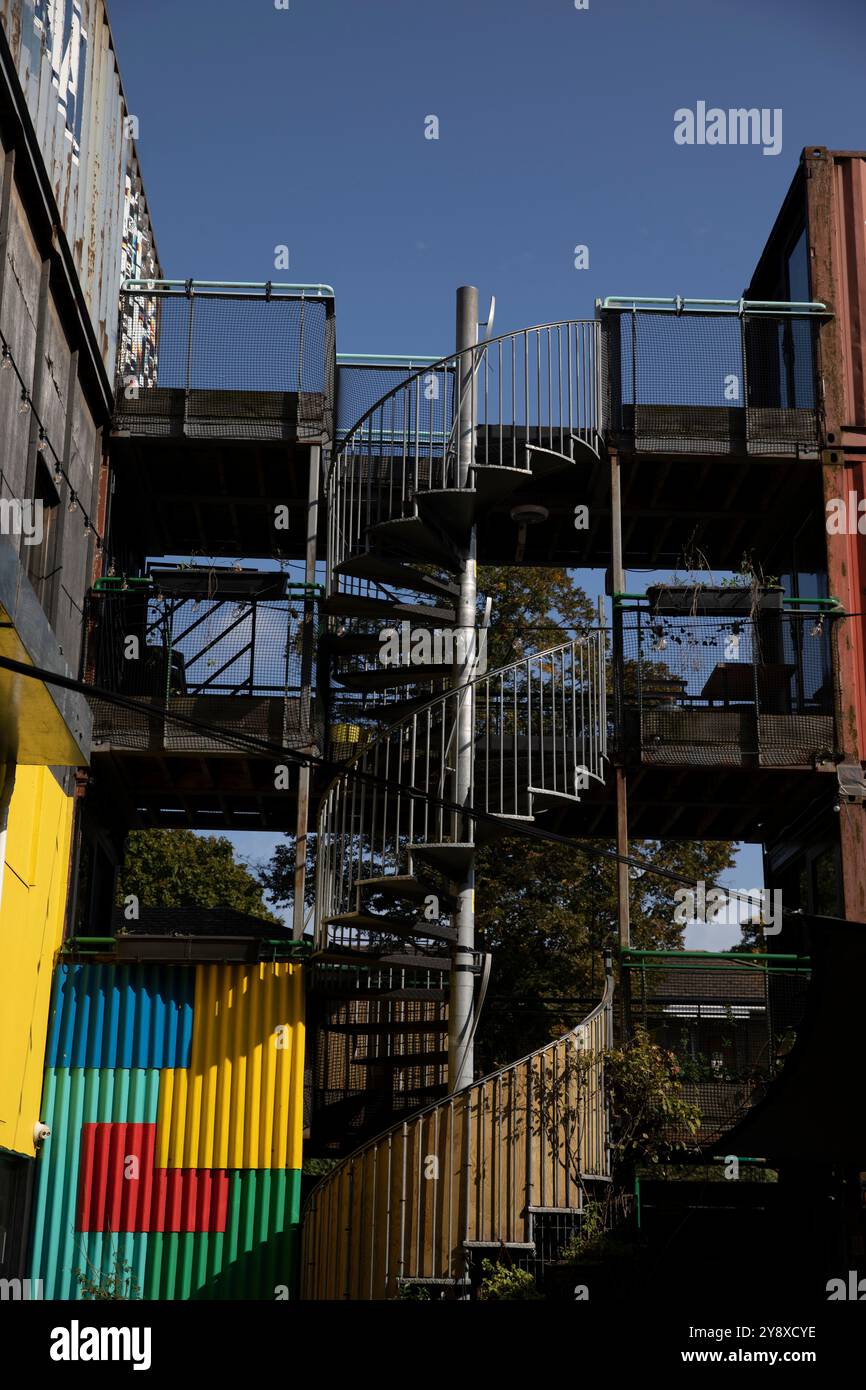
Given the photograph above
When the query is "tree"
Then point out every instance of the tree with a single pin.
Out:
(177, 868)
(547, 911)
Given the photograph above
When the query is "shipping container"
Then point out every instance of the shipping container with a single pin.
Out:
(174, 1095)
(64, 55)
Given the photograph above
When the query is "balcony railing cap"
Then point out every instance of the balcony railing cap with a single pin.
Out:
(676, 304)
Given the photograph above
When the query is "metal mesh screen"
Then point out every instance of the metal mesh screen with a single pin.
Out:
(373, 1035)
(226, 364)
(361, 385)
(238, 661)
(727, 687)
(712, 383)
(729, 1022)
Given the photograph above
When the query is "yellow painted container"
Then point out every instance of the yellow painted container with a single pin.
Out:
(32, 910)
(239, 1103)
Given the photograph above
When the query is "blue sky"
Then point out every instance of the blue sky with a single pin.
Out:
(305, 127)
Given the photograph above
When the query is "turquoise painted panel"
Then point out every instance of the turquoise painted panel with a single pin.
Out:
(72, 1099)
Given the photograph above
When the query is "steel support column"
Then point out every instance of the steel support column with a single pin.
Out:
(308, 646)
(618, 586)
(460, 1025)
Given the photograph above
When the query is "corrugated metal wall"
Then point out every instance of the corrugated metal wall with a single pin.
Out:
(174, 1095)
(31, 928)
(66, 63)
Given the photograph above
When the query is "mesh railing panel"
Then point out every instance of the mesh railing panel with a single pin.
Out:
(361, 385)
(712, 383)
(705, 686)
(238, 662)
(729, 1023)
(358, 1017)
(227, 365)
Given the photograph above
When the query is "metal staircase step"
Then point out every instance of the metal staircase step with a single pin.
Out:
(584, 452)
(545, 462)
(451, 860)
(384, 570)
(411, 994)
(455, 509)
(393, 926)
(360, 606)
(386, 711)
(352, 643)
(405, 886)
(411, 539)
(389, 677)
(372, 956)
(395, 1029)
(411, 1059)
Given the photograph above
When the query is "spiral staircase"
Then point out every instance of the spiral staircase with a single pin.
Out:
(446, 756)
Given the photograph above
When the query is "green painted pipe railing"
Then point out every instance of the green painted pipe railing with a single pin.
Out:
(674, 304)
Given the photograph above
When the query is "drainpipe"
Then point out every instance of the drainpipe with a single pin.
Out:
(461, 1050)
(6, 789)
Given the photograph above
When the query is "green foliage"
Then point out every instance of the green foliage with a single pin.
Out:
(177, 868)
(319, 1167)
(114, 1285)
(547, 911)
(532, 609)
(645, 1084)
(507, 1283)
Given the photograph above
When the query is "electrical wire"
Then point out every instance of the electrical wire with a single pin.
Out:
(249, 743)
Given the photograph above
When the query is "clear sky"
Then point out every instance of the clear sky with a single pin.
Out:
(305, 127)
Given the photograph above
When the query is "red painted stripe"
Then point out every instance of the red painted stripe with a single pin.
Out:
(121, 1191)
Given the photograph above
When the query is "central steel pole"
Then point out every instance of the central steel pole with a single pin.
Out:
(461, 1059)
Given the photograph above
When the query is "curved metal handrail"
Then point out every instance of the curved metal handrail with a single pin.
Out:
(540, 389)
(539, 730)
(529, 1134)
(435, 364)
(546, 652)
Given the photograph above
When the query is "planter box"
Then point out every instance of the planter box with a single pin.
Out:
(220, 584)
(687, 599)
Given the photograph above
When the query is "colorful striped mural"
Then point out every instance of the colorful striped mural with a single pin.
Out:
(174, 1095)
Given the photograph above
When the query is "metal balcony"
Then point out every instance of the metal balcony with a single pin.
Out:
(205, 361)
(729, 1018)
(711, 377)
(735, 689)
(203, 657)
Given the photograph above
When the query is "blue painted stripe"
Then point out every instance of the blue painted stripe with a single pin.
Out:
(136, 1016)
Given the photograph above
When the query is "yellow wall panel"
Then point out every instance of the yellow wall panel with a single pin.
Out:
(240, 1102)
(31, 929)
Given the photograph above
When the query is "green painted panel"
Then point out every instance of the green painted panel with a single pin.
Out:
(257, 1253)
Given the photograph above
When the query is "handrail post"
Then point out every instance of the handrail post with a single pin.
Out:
(461, 1065)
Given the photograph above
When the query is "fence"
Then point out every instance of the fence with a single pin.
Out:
(466, 1176)
(729, 1019)
(224, 657)
(729, 687)
(210, 361)
(712, 383)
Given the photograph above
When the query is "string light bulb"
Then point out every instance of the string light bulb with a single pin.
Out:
(73, 502)
(6, 361)
(24, 403)
(42, 441)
